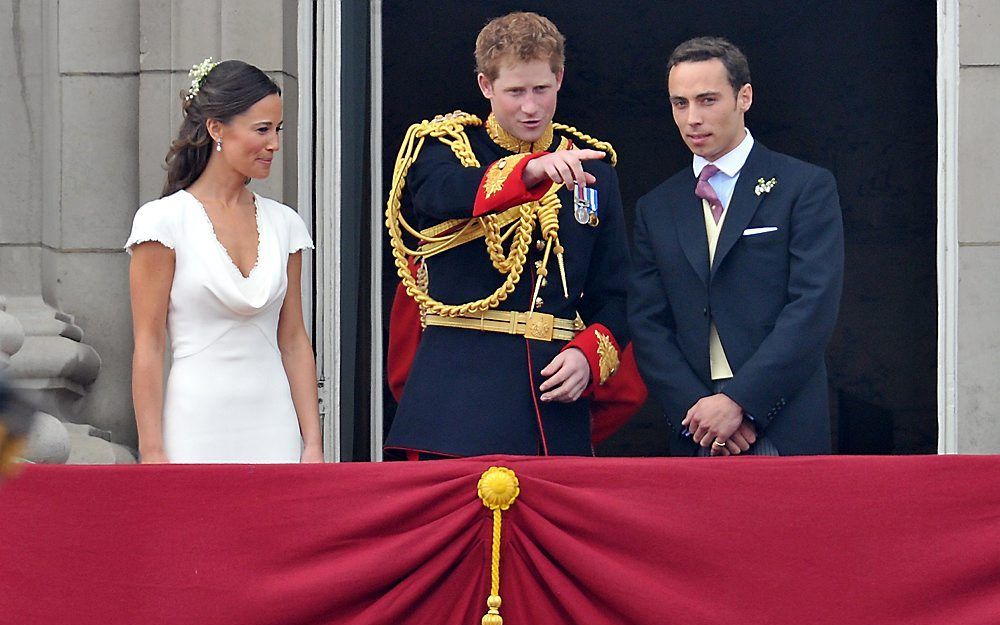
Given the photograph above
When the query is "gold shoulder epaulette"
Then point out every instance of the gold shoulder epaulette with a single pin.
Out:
(449, 129)
(597, 144)
(446, 124)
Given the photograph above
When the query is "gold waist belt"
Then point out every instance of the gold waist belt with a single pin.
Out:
(536, 325)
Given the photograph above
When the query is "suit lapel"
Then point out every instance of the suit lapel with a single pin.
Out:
(689, 216)
(744, 202)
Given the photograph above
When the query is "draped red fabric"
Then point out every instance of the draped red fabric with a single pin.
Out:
(589, 541)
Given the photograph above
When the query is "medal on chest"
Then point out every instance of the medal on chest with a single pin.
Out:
(585, 205)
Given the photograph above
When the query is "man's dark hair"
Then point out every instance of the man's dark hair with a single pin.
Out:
(708, 48)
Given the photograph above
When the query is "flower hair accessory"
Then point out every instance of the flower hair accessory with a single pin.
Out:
(198, 73)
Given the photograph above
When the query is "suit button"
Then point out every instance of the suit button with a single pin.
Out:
(539, 245)
(539, 302)
(704, 311)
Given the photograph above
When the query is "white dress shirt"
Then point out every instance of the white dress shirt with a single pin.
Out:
(729, 169)
(723, 182)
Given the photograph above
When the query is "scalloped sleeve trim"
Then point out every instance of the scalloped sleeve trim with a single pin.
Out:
(150, 224)
(298, 236)
(133, 241)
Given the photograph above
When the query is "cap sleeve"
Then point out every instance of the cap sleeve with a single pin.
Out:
(298, 235)
(152, 222)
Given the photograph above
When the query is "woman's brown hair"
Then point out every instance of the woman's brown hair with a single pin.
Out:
(229, 89)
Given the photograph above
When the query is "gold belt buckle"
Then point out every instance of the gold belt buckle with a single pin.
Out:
(538, 326)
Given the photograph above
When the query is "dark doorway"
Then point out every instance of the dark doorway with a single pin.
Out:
(846, 85)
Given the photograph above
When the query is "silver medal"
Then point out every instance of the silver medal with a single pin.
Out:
(581, 205)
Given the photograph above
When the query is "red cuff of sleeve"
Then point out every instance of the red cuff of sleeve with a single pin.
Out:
(503, 186)
(613, 404)
(599, 346)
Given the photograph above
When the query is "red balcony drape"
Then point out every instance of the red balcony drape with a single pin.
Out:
(848, 540)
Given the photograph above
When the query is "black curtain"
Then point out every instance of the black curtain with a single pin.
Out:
(846, 85)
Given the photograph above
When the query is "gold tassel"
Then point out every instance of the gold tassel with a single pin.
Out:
(498, 488)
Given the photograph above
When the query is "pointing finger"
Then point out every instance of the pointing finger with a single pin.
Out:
(588, 154)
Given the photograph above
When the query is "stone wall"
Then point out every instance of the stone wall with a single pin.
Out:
(90, 97)
(978, 228)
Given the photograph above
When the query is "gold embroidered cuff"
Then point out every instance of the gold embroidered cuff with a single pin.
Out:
(607, 355)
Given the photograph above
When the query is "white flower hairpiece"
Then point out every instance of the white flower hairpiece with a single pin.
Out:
(198, 73)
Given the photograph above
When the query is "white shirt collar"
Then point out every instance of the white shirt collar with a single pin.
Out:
(732, 162)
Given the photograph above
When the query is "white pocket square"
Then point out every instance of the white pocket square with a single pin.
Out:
(749, 232)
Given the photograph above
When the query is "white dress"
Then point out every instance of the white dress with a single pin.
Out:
(227, 397)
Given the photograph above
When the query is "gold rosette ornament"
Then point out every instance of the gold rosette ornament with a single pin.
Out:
(498, 488)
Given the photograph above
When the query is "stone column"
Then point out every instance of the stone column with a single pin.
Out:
(20, 108)
(11, 336)
(90, 90)
(176, 34)
(70, 93)
(978, 428)
(90, 191)
(49, 438)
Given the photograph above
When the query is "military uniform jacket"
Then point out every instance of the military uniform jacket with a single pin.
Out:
(471, 392)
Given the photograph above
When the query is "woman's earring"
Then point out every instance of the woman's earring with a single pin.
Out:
(218, 145)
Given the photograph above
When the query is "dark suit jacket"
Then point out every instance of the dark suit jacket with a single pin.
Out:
(774, 297)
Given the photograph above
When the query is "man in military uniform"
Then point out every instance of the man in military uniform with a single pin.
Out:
(520, 264)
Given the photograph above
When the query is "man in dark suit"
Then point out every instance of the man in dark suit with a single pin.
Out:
(738, 268)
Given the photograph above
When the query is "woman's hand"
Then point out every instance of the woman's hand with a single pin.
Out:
(312, 453)
(156, 456)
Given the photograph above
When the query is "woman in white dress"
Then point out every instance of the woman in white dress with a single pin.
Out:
(216, 268)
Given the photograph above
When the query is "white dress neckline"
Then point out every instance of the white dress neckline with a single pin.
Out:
(225, 252)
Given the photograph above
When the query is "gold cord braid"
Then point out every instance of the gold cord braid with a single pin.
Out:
(505, 263)
(603, 146)
(495, 554)
(548, 213)
(548, 223)
(450, 130)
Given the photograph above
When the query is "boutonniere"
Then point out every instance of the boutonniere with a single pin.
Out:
(764, 186)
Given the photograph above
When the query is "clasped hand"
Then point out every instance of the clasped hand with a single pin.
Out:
(719, 418)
